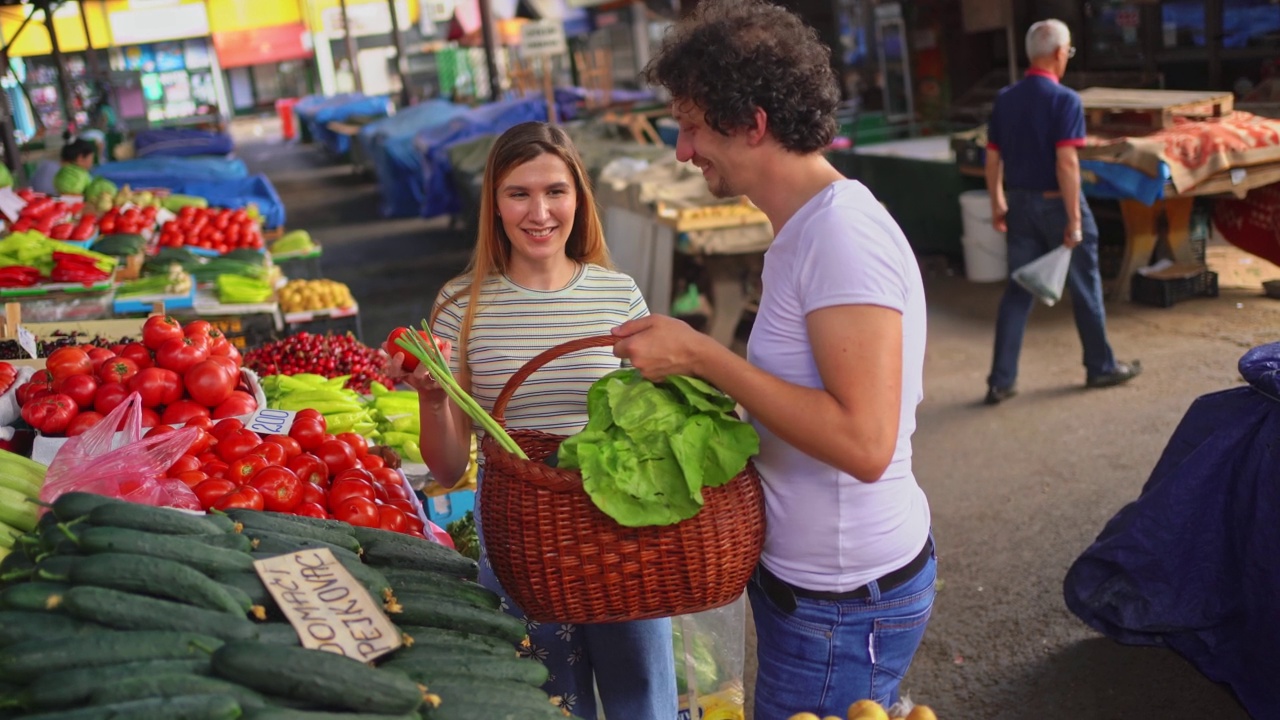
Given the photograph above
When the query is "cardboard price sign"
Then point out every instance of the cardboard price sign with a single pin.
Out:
(327, 607)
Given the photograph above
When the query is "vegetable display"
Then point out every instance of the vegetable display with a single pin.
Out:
(179, 372)
(648, 449)
(101, 619)
(220, 230)
(329, 355)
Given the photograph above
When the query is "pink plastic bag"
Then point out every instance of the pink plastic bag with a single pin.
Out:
(122, 465)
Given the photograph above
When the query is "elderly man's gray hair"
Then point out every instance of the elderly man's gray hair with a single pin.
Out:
(1045, 37)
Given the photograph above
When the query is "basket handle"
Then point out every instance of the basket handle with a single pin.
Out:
(537, 361)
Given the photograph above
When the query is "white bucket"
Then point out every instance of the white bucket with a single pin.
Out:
(985, 249)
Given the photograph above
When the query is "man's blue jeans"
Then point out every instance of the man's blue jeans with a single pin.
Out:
(829, 654)
(1036, 226)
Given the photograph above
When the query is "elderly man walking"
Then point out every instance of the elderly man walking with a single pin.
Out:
(1033, 177)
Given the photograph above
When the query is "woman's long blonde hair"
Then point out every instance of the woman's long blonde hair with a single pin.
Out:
(492, 255)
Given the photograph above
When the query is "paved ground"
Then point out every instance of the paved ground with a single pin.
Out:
(1017, 491)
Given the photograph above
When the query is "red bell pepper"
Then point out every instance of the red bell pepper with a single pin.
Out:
(19, 276)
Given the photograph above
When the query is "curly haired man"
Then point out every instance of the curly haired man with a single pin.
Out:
(834, 366)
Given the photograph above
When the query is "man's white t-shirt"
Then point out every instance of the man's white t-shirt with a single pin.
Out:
(827, 530)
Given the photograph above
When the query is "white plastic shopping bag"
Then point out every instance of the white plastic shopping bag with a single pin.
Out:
(1046, 276)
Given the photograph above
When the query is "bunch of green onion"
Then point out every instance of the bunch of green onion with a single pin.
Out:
(428, 353)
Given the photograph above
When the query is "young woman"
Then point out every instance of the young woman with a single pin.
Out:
(540, 275)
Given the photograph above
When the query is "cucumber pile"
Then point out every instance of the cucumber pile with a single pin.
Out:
(115, 610)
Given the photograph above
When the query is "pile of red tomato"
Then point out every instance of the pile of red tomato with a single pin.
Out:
(133, 220)
(305, 472)
(57, 219)
(180, 372)
(220, 230)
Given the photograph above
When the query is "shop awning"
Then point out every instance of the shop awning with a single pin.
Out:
(258, 46)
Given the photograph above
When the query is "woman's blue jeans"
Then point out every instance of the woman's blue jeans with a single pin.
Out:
(632, 663)
(1036, 226)
(829, 654)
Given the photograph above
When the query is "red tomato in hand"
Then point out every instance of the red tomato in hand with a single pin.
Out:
(80, 388)
(357, 511)
(281, 489)
(349, 488)
(182, 411)
(410, 361)
(239, 403)
(310, 468)
(159, 329)
(291, 447)
(212, 490)
(337, 455)
(209, 383)
(117, 370)
(67, 361)
(356, 441)
(309, 434)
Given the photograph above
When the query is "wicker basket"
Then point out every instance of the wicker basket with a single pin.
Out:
(562, 560)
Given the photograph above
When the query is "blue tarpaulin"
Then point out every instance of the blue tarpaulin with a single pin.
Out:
(143, 172)
(389, 145)
(256, 189)
(432, 145)
(1194, 563)
(339, 110)
(1121, 182)
(177, 142)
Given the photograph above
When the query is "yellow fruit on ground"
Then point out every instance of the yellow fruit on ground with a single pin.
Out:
(921, 712)
(804, 716)
(867, 710)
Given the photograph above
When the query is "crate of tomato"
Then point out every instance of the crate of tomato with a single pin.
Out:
(128, 220)
(217, 230)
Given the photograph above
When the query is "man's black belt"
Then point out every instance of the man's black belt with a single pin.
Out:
(784, 594)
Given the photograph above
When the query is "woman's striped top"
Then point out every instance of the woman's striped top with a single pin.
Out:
(513, 324)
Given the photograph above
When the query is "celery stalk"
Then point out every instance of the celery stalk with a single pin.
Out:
(429, 355)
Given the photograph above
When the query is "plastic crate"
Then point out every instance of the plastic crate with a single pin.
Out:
(319, 323)
(246, 331)
(300, 267)
(1164, 292)
(444, 509)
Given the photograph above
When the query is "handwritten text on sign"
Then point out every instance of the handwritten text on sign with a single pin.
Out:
(328, 608)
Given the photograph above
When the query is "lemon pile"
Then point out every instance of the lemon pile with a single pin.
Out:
(871, 710)
(304, 295)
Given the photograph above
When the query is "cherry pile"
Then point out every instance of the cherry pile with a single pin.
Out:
(329, 355)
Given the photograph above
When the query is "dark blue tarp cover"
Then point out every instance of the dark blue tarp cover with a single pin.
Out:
(177, 142)
(144, 172)
(338, 111)
(389, 143)
(432, 145)
(1121, 182)
(1194, 563)
(256, 189)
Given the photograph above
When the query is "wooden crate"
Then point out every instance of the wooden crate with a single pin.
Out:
(1123, 111)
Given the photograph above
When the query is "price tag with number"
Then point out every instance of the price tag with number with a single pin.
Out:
(10, 204)
(27, 341)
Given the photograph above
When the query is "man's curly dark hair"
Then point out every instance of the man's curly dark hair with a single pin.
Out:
(731, 56)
